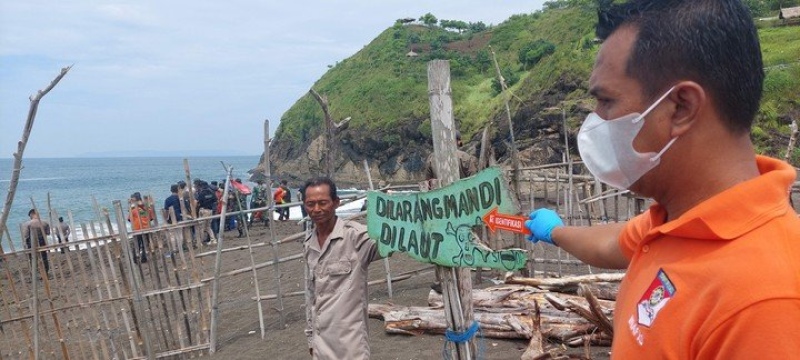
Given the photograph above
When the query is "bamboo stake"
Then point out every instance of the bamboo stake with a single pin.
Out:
(93, 265)
(34, 263)
(792, 140)
(178, 252)
(385, 260)
(157, 242)
(192, 200)
(17, 167)
(78, 295)
(132, 278)
(514, 157)
(270, 203)
(217, 266)
(132, 336)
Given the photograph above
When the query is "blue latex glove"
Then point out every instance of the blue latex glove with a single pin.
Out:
(541, 225)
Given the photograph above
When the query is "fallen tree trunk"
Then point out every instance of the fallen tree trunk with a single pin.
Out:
(570, 284)
(516, 325)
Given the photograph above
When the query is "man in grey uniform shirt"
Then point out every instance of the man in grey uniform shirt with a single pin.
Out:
(337, 254)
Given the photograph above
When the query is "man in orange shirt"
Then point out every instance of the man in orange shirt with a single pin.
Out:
(140, 216)
(713, 267)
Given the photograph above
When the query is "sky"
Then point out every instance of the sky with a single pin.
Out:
(179, 76)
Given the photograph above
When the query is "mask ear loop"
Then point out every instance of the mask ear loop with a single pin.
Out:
(640, 117)
(658, 156)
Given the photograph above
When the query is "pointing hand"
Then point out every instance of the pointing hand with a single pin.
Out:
(541, 225)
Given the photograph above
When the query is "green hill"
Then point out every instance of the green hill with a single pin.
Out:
(546, 57)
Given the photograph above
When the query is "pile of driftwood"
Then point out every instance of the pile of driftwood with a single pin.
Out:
(573, 310)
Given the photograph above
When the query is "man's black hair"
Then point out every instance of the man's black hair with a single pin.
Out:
(173, 188)
(320, 181)
(31, 212)
(60, 219)
(711, 42)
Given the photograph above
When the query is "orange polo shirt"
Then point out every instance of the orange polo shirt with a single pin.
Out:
(720, 282)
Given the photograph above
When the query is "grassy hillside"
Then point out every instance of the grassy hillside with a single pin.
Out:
(545, 56)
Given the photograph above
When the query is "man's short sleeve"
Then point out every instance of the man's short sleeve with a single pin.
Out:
(633, 233)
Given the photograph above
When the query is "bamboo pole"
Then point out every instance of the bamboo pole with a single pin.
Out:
(385, 260)
(135, 282)
(792, 140)
(218, 266)
(132, 337)
(157, 241)
(26, 133)
(270, 204)
(178, 253)
(192, 200)
(94, 265)
(78, 295)
(456, 282)
(34, 264)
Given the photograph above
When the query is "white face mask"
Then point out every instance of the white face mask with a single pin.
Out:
(606, 147)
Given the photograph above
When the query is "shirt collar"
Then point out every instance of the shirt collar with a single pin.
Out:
(735, 211)
(336, 233)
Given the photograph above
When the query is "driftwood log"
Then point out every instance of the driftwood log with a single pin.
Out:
(510, 312)
(604, 286)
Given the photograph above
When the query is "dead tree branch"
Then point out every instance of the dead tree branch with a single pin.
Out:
(331, 129)
(26, 133)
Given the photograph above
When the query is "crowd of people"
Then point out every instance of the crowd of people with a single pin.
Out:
(205, 202)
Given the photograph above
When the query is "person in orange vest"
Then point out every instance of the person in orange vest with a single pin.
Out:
(140, 217)
(278, 197)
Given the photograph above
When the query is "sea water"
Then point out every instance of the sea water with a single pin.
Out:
(74, 185)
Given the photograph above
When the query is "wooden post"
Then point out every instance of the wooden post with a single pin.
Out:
(456, 282)
(273, 241)
(385, 260)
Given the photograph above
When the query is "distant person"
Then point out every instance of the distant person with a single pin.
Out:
(301, 197)
(287, 198)
(207, 204)
(140, 217)
(183, 192)
(337, 254)
(173, 202)
(259, 200)
(36, 228)
(467, 164)
(240, 205)
(63, 228)
(277, 198)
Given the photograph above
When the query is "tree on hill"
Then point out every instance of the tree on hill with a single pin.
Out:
(456, 25)
(429, 19)
(476, 26)
(530, 54)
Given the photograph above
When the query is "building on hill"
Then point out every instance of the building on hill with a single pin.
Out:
(790, 15)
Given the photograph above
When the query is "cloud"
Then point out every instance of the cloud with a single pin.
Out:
(155, 69)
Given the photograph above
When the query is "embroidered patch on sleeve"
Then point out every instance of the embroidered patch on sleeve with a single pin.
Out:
(655, 298)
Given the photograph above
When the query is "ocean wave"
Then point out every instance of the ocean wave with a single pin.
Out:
(34, 179)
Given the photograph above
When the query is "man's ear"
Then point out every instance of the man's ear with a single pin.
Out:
(689, 98)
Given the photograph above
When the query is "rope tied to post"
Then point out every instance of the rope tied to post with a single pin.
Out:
(455, 337)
